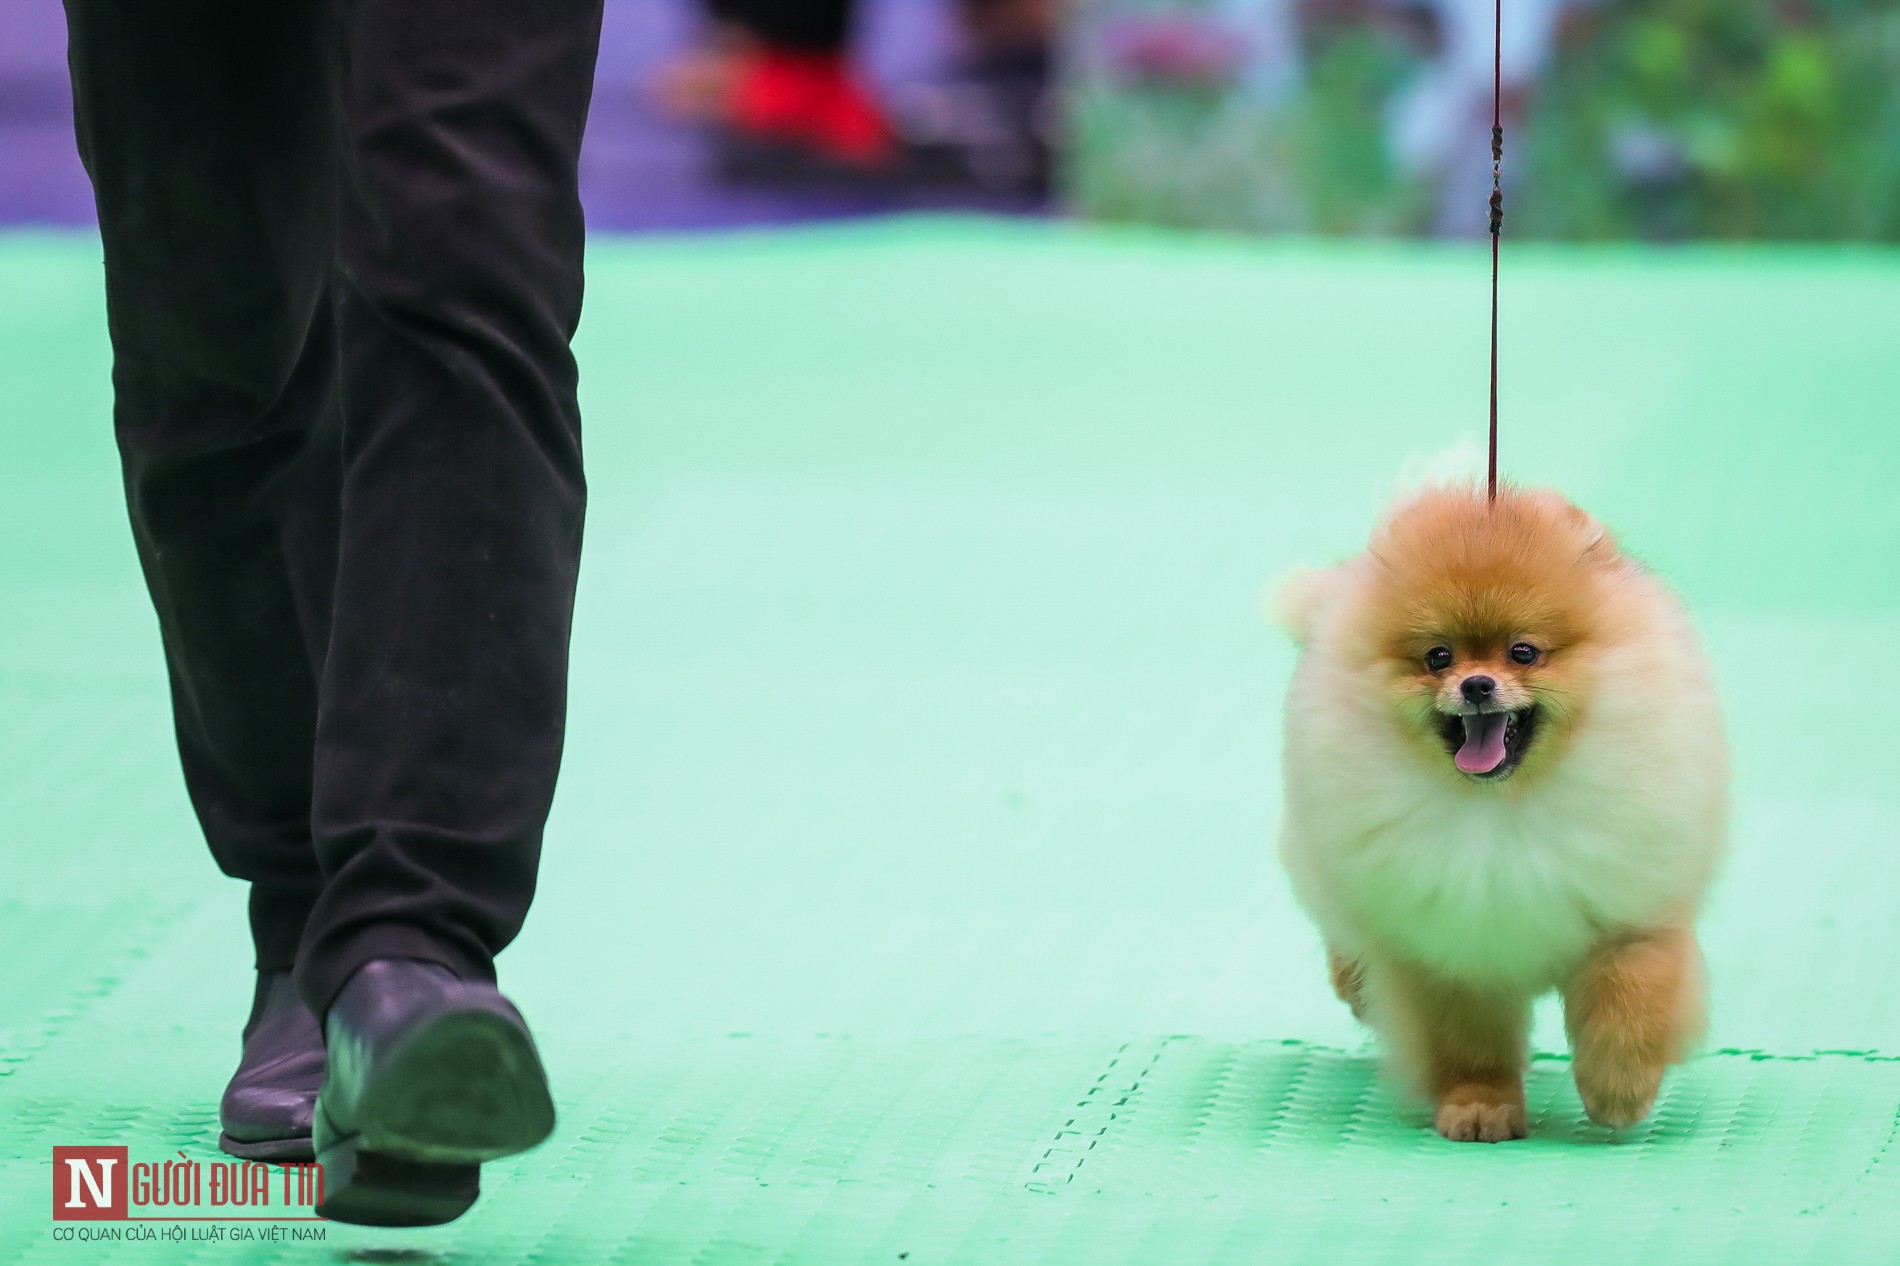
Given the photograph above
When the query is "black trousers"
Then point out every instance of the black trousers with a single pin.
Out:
(343, 265)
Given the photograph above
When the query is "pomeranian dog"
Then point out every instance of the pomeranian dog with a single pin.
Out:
(1505, 774)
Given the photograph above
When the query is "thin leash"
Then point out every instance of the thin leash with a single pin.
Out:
(1497, 220)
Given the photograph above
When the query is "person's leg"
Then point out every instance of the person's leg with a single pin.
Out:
(443, 698)
(206, 129)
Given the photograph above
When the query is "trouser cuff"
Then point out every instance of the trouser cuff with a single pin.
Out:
(278, 917)
(325, 967)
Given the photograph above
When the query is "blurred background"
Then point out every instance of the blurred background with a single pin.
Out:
(1652, 119)
(1657, 119)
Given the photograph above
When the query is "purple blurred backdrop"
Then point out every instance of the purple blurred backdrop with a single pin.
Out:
(640, 169)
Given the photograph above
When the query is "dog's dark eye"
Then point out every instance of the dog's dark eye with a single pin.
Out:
(1524, 653)
(1438, 659)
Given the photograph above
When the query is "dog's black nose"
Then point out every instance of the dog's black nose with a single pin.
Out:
(1478, 689)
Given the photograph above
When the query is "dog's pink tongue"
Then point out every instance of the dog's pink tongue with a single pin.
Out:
(1484, 743)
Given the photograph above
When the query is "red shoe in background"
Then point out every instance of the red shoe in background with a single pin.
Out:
(809, 101)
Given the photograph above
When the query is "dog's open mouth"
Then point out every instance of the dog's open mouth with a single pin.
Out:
(1489, 744)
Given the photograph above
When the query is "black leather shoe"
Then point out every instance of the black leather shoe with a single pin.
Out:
(266, 1109)
(429, 1077)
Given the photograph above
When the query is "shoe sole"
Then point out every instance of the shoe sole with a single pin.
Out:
(369, 1189)
(289, 1151)
(468, 1088)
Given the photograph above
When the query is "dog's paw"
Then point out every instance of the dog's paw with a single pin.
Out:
(1618, 1098)
(1481, 1117)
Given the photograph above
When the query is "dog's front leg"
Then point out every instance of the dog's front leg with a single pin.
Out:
(1632, 1010)
(1463, 1045)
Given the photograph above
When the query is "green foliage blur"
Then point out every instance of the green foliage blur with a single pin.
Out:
(1658, 119)
(1720, 118)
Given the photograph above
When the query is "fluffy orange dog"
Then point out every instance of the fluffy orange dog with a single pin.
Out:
(1505, 774)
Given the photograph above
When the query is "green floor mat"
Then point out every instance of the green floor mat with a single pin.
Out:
(910, 896)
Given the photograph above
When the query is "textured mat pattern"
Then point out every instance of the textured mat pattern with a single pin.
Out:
(910, 894)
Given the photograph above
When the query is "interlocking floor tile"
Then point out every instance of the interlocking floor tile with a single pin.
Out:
(910, 897)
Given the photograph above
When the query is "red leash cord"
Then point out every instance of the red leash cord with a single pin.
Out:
(1497, 220)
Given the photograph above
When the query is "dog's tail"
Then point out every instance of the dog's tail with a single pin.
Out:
(1296, 601)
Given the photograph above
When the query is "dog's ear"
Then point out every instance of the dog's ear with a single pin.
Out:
(1296, 601)
(1594, 539)
(1597, 541)
(1600, 540)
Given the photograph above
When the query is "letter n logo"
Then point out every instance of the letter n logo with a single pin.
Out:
(89, 1183)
